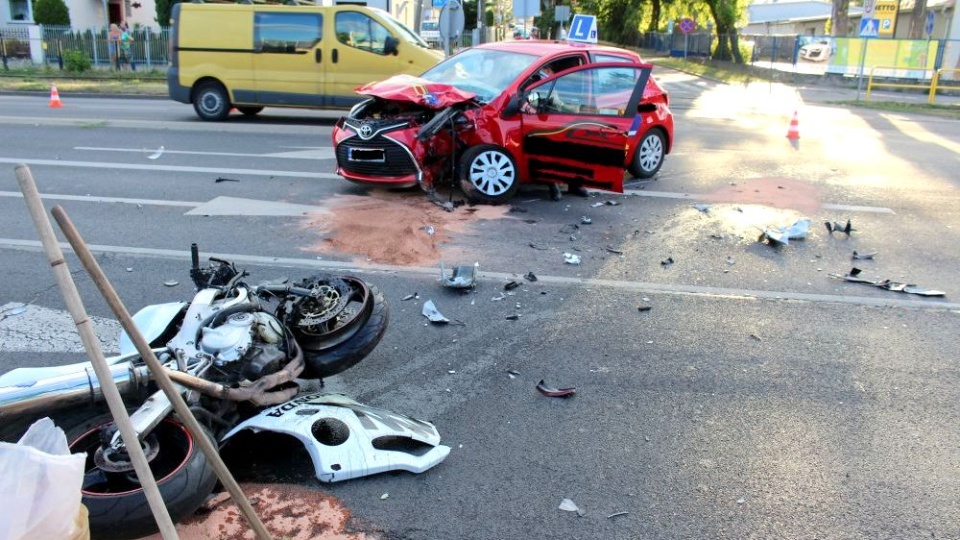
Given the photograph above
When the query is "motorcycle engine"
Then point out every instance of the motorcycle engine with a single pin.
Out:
(245, 346)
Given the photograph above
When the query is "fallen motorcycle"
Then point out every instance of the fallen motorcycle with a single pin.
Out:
(236, 350)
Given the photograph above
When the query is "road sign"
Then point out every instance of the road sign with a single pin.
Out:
(886, 13)
(869, 28)
(439, 3)
(929, 26)
(561, 14)
(451, 21)
(583, 28)
(687, 25)
(869, 6)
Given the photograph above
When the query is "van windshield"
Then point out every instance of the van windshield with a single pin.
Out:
(405, 33)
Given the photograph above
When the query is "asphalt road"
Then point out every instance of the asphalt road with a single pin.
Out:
(757, 398)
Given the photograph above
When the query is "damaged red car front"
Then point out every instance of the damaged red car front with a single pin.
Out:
(502, 114)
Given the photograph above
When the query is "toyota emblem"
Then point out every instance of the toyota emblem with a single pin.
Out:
(366, 131)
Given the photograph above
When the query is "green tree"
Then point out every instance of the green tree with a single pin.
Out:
(51, 12)
(839, 24)
(164, 7)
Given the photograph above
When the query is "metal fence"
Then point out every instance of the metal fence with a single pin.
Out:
(46, 45)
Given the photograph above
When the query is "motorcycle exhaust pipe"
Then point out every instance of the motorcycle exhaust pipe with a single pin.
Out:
(71, 389)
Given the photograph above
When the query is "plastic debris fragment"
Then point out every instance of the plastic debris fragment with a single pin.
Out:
(614, 251)
(464, 276)
(611, 203)
(585, 220)
(171, 283)
(555, 392)
(530, 276)
(667, 262)
(862, 256)
(783, 235)
(886, 284)
(430, 311)
(705, 208)
(512, 373)
(569, 506)
(615, 514)
(428, 229)
(510, 286)
(570, 258)
(836, 227)
(514, 317)
(411, 297)
(157, 154)
(642, 309)
(222, 179)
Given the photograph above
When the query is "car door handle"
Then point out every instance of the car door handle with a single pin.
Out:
(318, 56)
(334, 56)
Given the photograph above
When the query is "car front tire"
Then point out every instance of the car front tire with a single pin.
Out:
(488, 174)
(648, 157)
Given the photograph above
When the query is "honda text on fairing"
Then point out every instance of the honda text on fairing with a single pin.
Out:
(501, 114)
(236, 350)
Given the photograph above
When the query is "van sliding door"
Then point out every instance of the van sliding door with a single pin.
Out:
(288, 58)
(358, 56)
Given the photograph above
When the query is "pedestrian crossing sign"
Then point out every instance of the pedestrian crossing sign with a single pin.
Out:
(583, 28)
(869, 28)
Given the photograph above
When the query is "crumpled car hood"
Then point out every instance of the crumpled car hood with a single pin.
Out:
(410, 89)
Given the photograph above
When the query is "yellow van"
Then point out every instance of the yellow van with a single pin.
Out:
(252, 56)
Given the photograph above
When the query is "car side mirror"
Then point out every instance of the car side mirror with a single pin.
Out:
(513, 106)
(390, 45)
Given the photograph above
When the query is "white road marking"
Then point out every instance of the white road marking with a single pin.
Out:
(892, 300)
(694, 196)
(308, 153)
(233, 206)
(40, 329)
(169, 168)
(91, 198)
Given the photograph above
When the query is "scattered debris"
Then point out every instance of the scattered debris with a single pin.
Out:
(596, 205)
(615, 514)
(464, 276)
(642, 309)
(836, 227)
(512, 373)
(570, 258)
(157, 154)
(705, 208)
(430, 311)
(530, 276)
(863, 256)
(171, 283)
(886, 284)
(428, 229)
(385, 496)
(222, 179)
(756, 337)
(731, 261)
(554, 392)
(514, 317)
(129, 269)
(531, 221)
(585, 220)
(614, 251)
(611, 203)
(569, 506)
(534, 246)
(667, 262)
(569, 229)
(413, 296)
(517, 209)
(510, 286)
(783, 235)
(13, 311)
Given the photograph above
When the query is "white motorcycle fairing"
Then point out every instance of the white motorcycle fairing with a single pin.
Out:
(152, 321)
(346, 439)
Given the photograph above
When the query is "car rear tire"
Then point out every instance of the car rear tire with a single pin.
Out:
(488, 174)
(648, 158)
(211, 101)
(250, 111)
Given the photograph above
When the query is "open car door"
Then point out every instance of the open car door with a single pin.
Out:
(579, 124)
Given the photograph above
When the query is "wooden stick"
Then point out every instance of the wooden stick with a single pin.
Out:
(158, 372)
(90, 343)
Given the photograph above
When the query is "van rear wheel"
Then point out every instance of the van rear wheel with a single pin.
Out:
(211, 102)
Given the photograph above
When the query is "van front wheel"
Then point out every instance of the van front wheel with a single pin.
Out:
(211, 102)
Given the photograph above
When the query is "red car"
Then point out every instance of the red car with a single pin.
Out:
(501, 114)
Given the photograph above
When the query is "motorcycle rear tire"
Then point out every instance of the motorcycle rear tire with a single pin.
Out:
(320, 364)
(184, 482)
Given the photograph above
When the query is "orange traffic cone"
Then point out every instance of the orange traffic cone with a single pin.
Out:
(794, 132)
(55, 97)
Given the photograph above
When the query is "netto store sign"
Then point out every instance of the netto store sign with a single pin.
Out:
(885, 12)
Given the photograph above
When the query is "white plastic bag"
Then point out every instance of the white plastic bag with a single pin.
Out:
(40, 485)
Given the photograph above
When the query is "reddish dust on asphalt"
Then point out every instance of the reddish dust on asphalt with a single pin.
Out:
(288, 512)
(783, 193)
(394, 228)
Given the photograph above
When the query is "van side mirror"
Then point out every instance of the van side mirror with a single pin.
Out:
(391, 45)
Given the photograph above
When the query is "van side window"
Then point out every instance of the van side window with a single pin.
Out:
(357, 30)
(291, 33)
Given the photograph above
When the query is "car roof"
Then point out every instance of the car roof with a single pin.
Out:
(545, 47)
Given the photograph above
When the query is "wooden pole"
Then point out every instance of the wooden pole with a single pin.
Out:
(90, 343)
(158, 372)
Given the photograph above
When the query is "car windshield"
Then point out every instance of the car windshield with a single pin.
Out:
(405, 33)
(486, 73)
